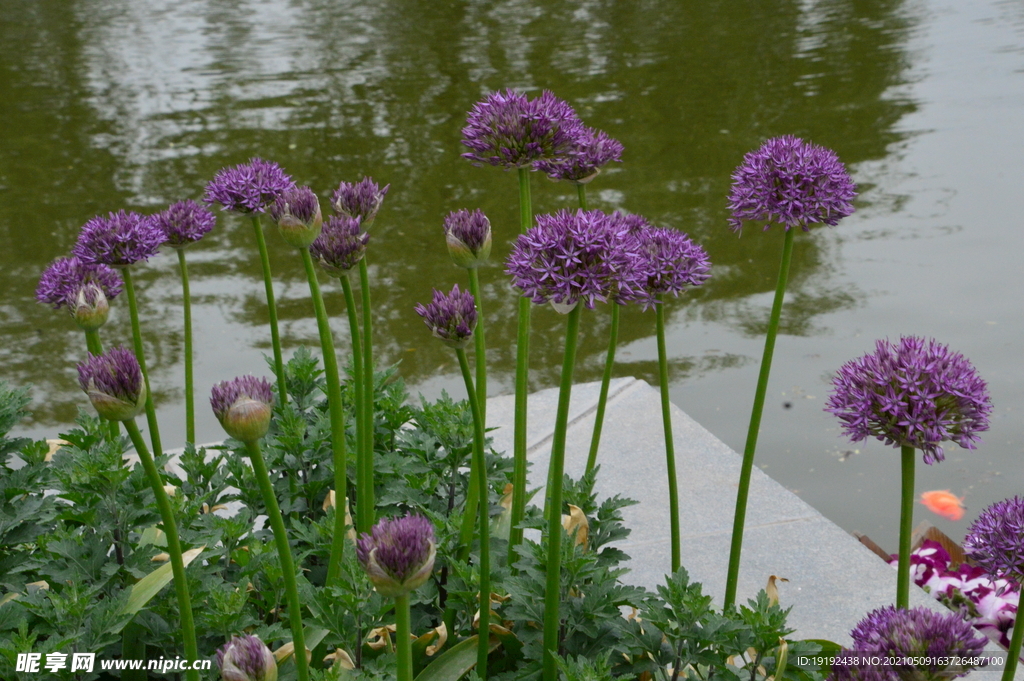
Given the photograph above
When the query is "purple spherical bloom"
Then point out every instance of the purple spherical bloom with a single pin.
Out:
(468, 235)
(248, 188)
(118, 240)
(297, 214)
(246, 658)
(451, 317)
(398, 555)
(996, 539)
(916, 393)
(243, 407)
(506, 129)
(593, 149)
(361, 200)
(673, 261)
(113, 382)
(340, 246)
(791, 183)
(570, 257)
(83, 289)
(184, 223)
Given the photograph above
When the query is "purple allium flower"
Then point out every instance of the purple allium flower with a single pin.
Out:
(246, 658)
(340, 246)
(243, 407)
(674, 262)
(297, 214)
(398, 555)
(113, 382)
(248, 188)
(996, 539)
(570, 257)
(791, 183)
(506, 129)
(594, 148)
(83, 289)
(451, 317)
(361, 200)
(118, 240)
(469, 237)
(184, 223)
(916, 393)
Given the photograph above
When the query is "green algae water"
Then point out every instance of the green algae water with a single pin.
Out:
(108, 105)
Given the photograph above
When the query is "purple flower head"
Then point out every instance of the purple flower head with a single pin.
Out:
(469, 237)
(246, 658)
(791, 183)
(113, 382)
(248, 188)
(996, 539)
(921, 632)
(297, 214)
(915, 393)
(83, 289)
(118, 240)
(398, 554)
(570, 257)
(243, 407)
(340, 246)
(674, 262)
(184, 223)
(506, 129)
(631, 222)
(451, 317)
(594, 148)
(361, 200)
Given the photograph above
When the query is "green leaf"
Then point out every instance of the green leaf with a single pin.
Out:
(453, 664)
(151, 584)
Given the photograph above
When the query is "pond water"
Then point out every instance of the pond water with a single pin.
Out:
(117, 104)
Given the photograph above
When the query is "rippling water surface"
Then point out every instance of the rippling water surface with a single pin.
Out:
(117, 104)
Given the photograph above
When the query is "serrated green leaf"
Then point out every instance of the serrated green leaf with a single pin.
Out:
(150, 585)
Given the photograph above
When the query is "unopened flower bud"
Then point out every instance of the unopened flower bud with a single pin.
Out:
(85, 290)
(297, 213)
(360, 200)
(113, 382)
(451, 317)
(243, 407)
(91, 307)
(469, 237)
(398, 555)
(246, 658)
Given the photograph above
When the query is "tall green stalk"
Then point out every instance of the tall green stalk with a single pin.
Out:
(670, 450)
(190, 403)
(268, 285)
(581, 193)
(133, 313)
(1013, 652)
(485, 540)
(480, 345)
(188, 630)
(522, 387)
(606, 379)
(553, 504)
(403, 631)
(337, 415)
(364, 502)
(284, 553)
(755, 422)
(366, 491)
(907, 453)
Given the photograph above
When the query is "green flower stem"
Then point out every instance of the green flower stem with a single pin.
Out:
(190, 403)
(403, 635)
(1013, 651)
(553, 506)
(670, 450)
(284, 553)
(755, 423)
(480, 345)
(133, 312)
(337, 414)
(366, 491)
(906, 526)
(522, 387)
(268, 285)
(364, 502)
(485, 517)
(602, 400)
(188, 629)
(581, 192)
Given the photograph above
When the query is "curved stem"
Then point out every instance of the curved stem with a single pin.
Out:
(581, 192)
(1014, 650)
(188, 629)
(553, 505)
(284, 553)
(602, 400)
(522, 388)
(337, 414)
(268, 285)
(755, 423)
(480, 345)
(906, 526)
(133, 312)
(369, 413)
(670, 451)
(364, 502)
(403, 636)
(190, 403)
